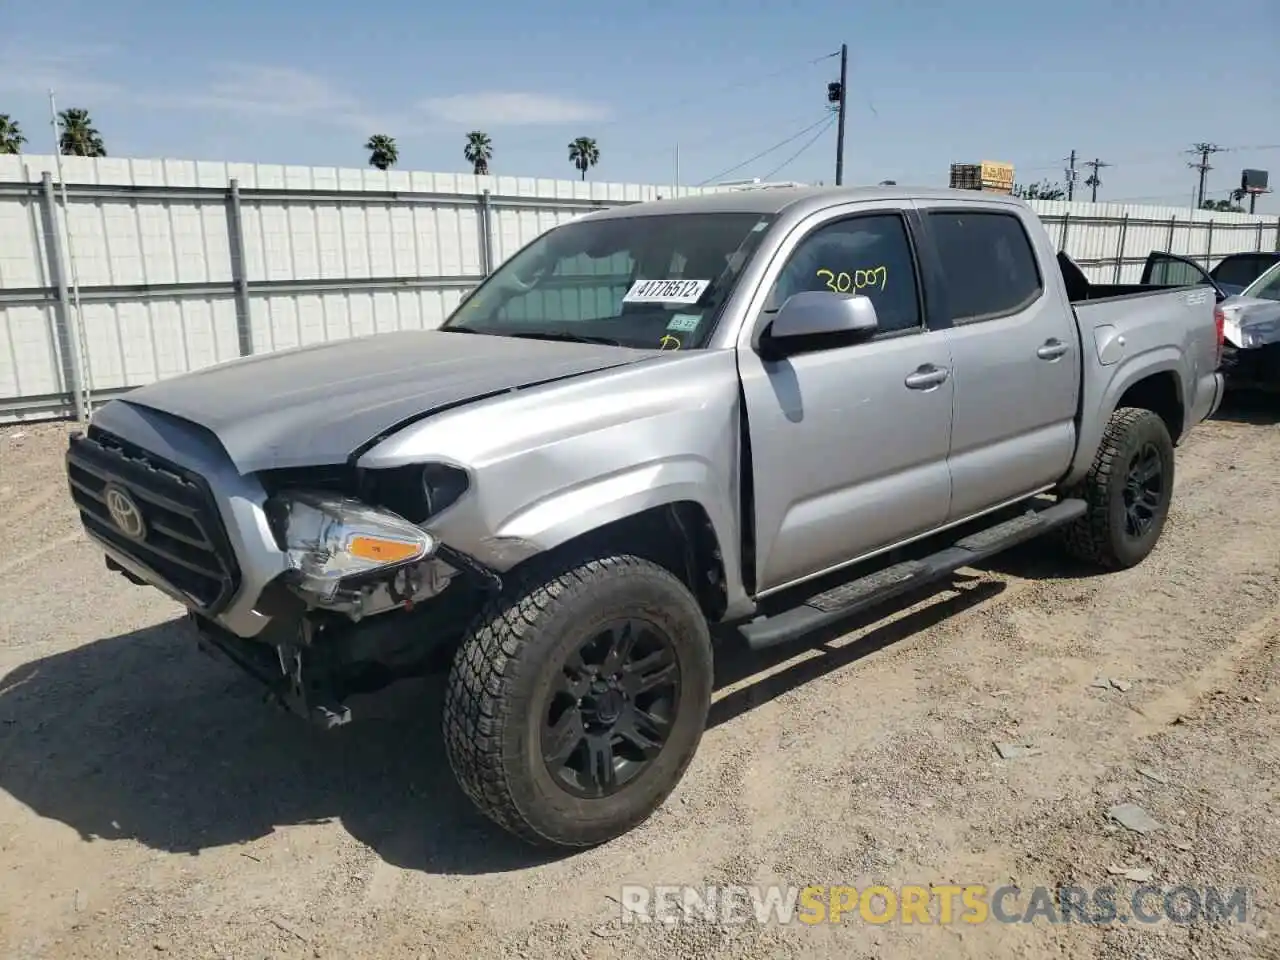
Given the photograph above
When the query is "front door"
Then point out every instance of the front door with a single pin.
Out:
(848, 439)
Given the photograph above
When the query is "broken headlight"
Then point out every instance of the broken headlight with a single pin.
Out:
(329, 538)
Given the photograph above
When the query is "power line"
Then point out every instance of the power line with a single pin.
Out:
(808, 143)
(754, 80)
(765, 153)
(1145, 159)
(1179, 199)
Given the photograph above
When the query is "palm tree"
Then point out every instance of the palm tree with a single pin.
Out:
(383, 152)
(478, 152)
(1093, 182)
(584, 154)
(1226, 206)
(11, 138)
(78, 138)
(1044, 190)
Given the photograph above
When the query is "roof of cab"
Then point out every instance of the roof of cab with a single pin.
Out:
(773, 200)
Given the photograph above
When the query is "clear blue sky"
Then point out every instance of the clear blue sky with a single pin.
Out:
(1133, 82)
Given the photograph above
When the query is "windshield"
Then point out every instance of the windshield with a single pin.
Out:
(656, 281)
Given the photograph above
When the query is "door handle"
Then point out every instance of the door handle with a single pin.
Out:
(926, 377)
(1052, 350)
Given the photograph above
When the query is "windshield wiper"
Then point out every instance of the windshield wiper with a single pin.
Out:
(560, 335)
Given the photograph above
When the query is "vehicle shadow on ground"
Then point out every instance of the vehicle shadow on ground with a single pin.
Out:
(142, 737)
(735, 662)
(1039, 559)
(1251, 407)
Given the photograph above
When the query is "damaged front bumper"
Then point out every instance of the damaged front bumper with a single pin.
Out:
(311, 662)
(178, 517)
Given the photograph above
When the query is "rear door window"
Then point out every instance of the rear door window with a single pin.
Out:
(988, 264)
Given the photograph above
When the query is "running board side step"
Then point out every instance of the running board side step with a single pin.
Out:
(835, 604)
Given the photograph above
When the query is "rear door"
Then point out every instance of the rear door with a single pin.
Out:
(1015, 354)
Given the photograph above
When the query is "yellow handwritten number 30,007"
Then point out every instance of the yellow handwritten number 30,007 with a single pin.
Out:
(858, 280)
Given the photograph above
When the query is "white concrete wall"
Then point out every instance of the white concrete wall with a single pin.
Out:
(392, 262)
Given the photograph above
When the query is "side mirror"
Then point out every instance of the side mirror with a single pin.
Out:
(817, 312)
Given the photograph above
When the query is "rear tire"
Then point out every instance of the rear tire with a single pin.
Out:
(578, 698)
(1128, 489)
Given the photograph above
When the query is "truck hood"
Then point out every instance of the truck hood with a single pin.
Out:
(316, 405)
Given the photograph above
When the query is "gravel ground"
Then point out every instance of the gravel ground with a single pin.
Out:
(151, 804)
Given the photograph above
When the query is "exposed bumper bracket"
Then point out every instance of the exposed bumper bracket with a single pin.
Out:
(295, 672)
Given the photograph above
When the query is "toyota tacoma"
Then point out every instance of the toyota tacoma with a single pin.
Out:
(756, 412)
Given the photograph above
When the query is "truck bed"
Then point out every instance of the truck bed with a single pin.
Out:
(1119, 321)
(1080, 290)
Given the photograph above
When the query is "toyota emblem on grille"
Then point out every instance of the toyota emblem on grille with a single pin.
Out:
(125, 513)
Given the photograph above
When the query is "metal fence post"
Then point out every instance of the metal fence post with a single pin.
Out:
(1278, 233)
(1066, 223)
(1173, 222)
(239, 280)
(1208, 247)
(72, 362)
(486, 234)
(1259, 244)
(1124, 229)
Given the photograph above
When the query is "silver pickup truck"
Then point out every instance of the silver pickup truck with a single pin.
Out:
(758, 411)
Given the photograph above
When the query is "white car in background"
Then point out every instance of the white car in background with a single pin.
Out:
(1251, 354)
(1250, 309)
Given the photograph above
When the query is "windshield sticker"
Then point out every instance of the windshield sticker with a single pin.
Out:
(684, 322)
(875, 277)
(666, 291)
(668, 342)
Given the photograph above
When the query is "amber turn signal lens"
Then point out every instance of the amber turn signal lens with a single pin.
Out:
(380, 550)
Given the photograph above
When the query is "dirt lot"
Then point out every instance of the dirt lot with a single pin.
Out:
(151, 805)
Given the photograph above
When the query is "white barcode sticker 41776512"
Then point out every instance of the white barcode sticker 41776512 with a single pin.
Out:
(666, 291)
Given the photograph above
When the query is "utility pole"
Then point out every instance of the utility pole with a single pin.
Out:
(838, 94)
(1094, 181)
(1071, 176)
(1205, 150)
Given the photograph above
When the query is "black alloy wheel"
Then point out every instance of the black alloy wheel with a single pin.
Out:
(578, 697)
(1143, 491)
(609, 715)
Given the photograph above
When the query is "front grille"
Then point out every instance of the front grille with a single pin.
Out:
(185, 544)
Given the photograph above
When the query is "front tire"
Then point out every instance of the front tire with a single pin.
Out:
(578, 698)
(1128, 489)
